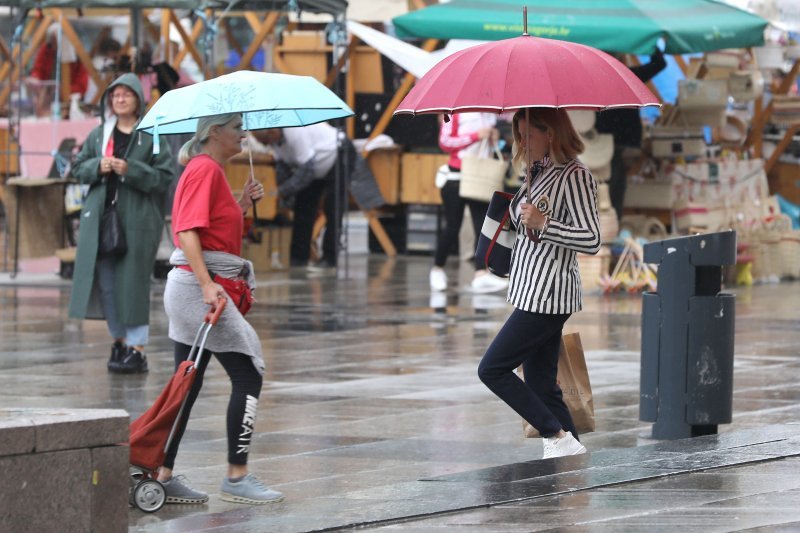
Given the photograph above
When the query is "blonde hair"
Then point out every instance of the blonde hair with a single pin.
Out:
(204, 124)
(565, 144)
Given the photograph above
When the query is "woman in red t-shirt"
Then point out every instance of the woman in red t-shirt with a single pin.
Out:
(207, 223)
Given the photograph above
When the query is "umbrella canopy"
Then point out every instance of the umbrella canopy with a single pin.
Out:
(265, 100)
(627, 26)
(526, 72)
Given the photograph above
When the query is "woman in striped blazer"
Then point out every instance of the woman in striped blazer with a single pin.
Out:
(545, 286)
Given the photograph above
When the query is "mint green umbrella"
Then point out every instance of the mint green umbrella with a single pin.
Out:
(626, 26)
(264, 99)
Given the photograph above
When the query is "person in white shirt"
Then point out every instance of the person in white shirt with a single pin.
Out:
(305, 166)
(555, 221)
(461, 136)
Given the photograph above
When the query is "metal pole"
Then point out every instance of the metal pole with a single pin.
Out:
(341, 173)
(14, 122)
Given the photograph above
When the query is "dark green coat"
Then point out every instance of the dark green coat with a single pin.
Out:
(141, 196)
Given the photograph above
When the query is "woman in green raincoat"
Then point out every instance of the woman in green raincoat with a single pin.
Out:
(118, 164)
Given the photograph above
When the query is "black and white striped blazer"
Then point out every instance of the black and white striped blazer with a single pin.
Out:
(544, 275)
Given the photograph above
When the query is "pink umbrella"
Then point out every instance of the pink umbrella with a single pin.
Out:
(526, 72)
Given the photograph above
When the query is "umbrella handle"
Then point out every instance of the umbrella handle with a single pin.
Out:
(216, 311)
(252, 175)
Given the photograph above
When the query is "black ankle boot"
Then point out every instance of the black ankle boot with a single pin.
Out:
(133, 362)
(118, 350)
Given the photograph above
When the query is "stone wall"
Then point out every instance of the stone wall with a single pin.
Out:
(64, 470)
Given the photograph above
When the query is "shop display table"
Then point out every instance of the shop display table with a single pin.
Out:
(35, 215)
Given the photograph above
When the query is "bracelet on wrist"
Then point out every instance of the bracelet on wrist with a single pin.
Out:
(545, 225)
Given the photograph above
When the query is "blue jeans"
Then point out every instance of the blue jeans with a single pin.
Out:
(531, 340)
(133, 335)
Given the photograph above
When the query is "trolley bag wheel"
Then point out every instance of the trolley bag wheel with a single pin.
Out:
(149, 495)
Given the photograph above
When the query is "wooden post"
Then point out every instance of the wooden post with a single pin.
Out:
(681, 63)
(335, 69)
(782, 146)
(264, 28)
(402, 91)
(188, 44)
(350, 89)
(39, 35)
(83, 55)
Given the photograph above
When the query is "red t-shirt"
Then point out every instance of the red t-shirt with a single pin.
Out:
(204, 202)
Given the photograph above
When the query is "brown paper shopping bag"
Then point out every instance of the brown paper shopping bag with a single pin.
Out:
(573, 378)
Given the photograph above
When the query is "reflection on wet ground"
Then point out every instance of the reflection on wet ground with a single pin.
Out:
(371, 388)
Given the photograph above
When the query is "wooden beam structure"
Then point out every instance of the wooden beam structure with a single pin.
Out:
(781, 147)
(262, 29)
(39, 34)
(188, 43)
(402, 91)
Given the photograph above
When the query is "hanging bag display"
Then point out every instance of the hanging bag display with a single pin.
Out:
(497, 235)
(483, 173)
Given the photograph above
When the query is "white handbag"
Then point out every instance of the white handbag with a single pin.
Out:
(481, 176)
(443, 175)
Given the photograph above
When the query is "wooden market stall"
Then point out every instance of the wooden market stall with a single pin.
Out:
(291, 55)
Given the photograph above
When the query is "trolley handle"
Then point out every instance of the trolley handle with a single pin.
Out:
(216, 311)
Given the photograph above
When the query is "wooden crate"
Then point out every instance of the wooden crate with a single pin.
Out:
(237, 172)
(272, 253)
(41, 221)
(385, 165)
(308, 53)
(418, 172)
(9, 155)
(367, 71)
(305, 54)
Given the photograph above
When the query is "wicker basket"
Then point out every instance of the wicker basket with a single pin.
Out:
(609, 226)
(591, 267)
(790, 254)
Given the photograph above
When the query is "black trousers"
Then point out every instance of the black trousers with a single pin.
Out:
(245, 389)
(531, 340)
(454, 205)
(306, 207)
(618, 181)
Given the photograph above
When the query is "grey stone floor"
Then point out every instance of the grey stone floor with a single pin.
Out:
(372, 414)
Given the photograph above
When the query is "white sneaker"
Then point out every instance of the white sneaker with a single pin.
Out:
(438, 279)
(566, 445)
(487, 282)
(438, 300)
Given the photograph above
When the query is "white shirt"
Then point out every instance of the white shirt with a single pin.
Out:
(301, 145)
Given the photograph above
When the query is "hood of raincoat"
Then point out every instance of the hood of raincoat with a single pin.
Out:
(129, 80)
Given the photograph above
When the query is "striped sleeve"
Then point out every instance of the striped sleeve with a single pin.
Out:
(580, 195)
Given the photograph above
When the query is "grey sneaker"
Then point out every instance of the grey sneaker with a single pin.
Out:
(249, 490)
(178, 491)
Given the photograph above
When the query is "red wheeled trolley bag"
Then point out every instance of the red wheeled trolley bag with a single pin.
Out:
(153, 431)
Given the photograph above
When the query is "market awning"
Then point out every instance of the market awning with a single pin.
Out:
(626, 26)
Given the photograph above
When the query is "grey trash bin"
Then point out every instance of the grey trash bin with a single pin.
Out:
(686, 385)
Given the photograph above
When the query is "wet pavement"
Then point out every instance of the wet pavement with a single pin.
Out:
(372, 414)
